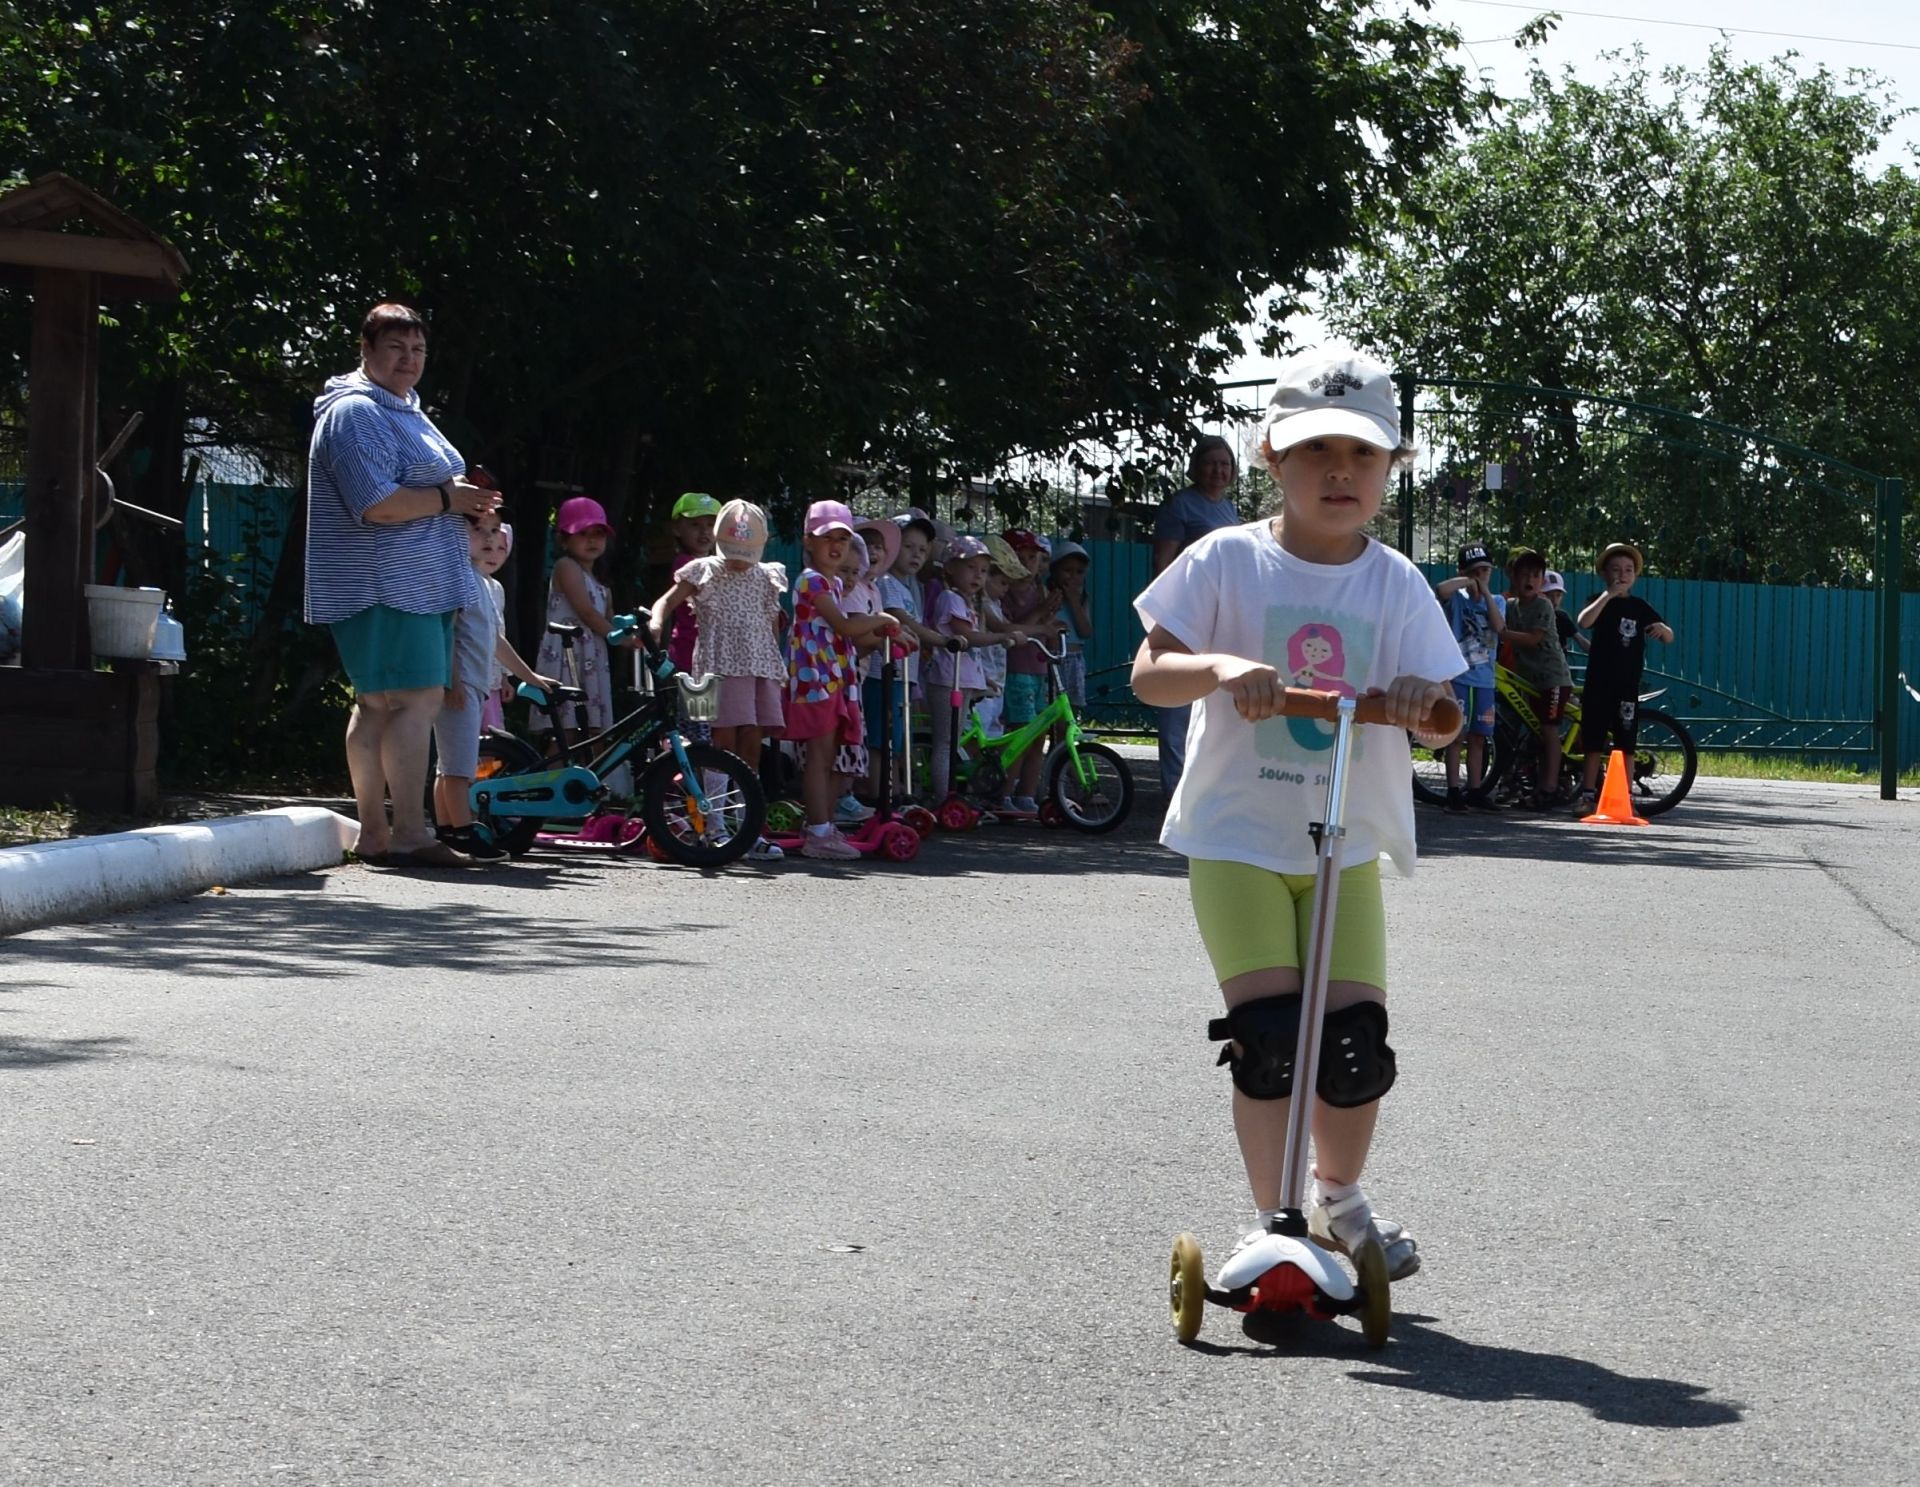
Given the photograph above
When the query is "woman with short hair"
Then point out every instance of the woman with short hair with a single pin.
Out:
(387, 568)
(1205, 505)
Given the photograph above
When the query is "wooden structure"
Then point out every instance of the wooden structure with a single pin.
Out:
(67, 731)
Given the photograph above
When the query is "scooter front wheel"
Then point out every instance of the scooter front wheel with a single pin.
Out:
(1187, 1288)
(1376, 1293)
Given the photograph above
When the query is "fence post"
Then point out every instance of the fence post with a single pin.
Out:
(1893, 508)
(1405, 379)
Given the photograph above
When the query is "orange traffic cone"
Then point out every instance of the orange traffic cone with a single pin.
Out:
(1616, 801)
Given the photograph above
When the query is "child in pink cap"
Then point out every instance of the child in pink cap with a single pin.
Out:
(576, 596)
(822, 713)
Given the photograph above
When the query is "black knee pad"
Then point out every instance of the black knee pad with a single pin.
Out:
(1268, 1032)
(1356, 1064)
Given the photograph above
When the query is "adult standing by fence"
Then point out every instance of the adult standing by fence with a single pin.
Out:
(1202, 507)
(387, 568)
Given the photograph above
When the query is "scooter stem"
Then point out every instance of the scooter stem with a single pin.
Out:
(1330, 847)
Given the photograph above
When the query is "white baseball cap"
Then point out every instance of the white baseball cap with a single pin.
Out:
(1333, 390)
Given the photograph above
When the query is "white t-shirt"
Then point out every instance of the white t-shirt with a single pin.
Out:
(1250, 791)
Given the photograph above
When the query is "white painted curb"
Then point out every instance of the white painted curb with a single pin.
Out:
(88, 876)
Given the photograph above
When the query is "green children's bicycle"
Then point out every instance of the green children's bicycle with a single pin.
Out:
(1088, 785)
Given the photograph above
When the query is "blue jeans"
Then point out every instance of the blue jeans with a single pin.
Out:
(1173, 745)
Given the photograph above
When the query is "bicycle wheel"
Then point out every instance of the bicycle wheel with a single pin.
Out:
(736, 810)
(1664, 762)
(500, 754)
(1096, 794)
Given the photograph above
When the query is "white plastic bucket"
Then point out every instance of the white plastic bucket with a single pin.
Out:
(123, 620)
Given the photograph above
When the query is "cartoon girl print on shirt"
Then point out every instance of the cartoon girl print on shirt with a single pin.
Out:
(1317, 659)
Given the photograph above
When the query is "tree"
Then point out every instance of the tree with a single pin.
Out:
(1713, 242)
(728, 244)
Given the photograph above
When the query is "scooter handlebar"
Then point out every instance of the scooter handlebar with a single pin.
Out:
(1302, 702)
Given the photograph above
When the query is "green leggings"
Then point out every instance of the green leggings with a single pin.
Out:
(1255, 920)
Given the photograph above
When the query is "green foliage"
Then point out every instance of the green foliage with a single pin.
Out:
(1713, 242)
(732, 245)
(761, 238)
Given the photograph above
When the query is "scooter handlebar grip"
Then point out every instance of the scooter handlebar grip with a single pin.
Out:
(1442, 717)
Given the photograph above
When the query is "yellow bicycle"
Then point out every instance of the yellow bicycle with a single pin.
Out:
(1664, 761)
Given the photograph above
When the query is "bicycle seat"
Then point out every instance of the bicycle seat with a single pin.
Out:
(562, 629)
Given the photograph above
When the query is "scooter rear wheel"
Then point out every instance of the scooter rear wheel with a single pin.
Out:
(1187, 1288)
(1376, 1293)
(922, 820)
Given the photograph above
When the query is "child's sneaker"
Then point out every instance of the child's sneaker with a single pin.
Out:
(1586, 803)
(468, 839)
(1341, 1218)
(1457, 800)
(1024, 805)
(849, 812)
(764, 851)
(832, 845)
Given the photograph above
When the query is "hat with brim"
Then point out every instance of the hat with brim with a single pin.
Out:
(1332, 391)
(740, 531)
(1553, 584)
(917, 520)
(1005, 558)
(1617, 549)
(580, 514)
(1064, 549)
(695, 503)
(828, 516)
(883, 541)
(960, 549)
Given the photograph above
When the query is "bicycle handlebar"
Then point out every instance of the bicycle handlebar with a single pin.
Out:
(1443, 717)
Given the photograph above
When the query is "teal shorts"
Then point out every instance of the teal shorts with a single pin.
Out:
(1024, 697)
(1255, 920)
(389, 650)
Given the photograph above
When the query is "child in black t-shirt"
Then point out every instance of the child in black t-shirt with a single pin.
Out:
(1610, 701)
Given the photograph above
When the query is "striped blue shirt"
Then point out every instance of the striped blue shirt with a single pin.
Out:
(367, 444)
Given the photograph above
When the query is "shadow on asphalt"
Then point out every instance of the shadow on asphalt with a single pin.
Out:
(275, 935)
(1716, 837)
(42, 1053)
(1422, 1358)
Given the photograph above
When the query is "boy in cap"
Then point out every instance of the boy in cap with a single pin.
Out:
(1555, 589)
(1610, 702)
(1539, 662)
(1477, 616)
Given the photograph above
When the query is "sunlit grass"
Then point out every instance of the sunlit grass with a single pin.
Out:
(1794, 767)
(19, 827)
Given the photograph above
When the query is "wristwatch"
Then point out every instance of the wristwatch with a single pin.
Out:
(446, 497)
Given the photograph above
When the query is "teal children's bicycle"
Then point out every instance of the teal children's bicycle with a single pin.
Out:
(1088, 785)
(701, 806)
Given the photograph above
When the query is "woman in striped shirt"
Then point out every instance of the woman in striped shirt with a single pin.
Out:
(387, 568)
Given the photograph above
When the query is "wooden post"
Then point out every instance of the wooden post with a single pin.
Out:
(59, 465)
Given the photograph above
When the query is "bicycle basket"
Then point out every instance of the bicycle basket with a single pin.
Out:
(699, 697)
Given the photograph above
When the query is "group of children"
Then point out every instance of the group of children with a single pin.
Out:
(1528, 625)
(975, 610)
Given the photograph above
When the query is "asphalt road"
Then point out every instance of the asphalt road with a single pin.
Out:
(594, 1171)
